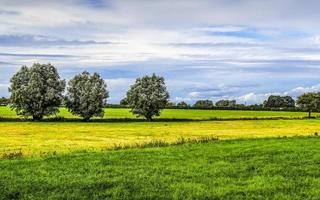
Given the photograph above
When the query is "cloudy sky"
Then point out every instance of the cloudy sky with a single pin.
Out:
(205, 49)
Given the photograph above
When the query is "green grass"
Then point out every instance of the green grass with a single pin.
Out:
(36, 138)
(234, 169)
(116, 113)
(72, 159)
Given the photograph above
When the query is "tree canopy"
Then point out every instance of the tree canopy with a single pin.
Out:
(276, 101)
(36, 91)
(87, 95)
(182, 104)
(4, 101)
(148, 96)
(226, 103)
(309, 102)
(203, 104)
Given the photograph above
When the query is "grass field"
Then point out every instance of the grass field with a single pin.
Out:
(70, 159)
(116, 113)
(34, 138)
(235, 169)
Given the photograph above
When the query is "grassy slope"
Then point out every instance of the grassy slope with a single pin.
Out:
(41, 137)
(245, 169)
(176, 113)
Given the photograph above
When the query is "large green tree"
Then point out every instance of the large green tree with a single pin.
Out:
(87, 95)
(36, 91)
(148, 96)
(309, 102)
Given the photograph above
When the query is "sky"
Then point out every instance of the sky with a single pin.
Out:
(206, 49)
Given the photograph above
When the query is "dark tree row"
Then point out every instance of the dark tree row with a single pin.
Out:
(309, 102)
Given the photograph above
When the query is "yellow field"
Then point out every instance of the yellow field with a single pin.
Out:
(35, 138)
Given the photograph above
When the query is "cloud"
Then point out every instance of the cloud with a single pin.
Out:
(252, 98)
(119, 82)
(9, 12)
(4, 85)
(39, 40)
(204, 49)
(301, 90)
(33, 55)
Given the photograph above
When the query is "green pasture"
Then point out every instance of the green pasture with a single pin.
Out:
(286, 168)
(116, 113)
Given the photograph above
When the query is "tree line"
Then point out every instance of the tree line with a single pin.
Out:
(38, 91)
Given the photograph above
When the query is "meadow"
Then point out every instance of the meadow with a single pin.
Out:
(195, 154)
(277, 168)
(124, 113)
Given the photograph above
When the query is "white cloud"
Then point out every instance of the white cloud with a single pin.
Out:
(119, 82)
(252, 98)
(4, 85)
(198, 45)
(194, 94)
(301, 90)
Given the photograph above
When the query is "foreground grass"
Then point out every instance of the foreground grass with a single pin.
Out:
(235, 169)
(36, 138)
(116, 113)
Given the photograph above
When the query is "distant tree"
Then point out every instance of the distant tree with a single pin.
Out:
(87, 95)
(276, 101)
(182, 104)
(255, 107)
(4, 101)
(203, 104)
(241, 106)
(309, 102)
(288, 102)
(124, 102)
(36, 91)
(170, 104)
(226, 103)
(273, 101)
(148, 96)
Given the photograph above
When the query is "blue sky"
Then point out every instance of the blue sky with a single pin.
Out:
(205, 49)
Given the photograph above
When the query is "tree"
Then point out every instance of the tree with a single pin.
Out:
(124, 102)
(203, 104)
(87, 95)
(273, 101)
(276, 101)
(36, 91)
(170, 104)
(309, 102)
(288, 102)
(182, 104)
(148, 96)
(4, 101)
(226, 103)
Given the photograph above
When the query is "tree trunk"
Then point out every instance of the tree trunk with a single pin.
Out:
(86, 119)
(37, 118)
(149, 119)
(309, 113)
